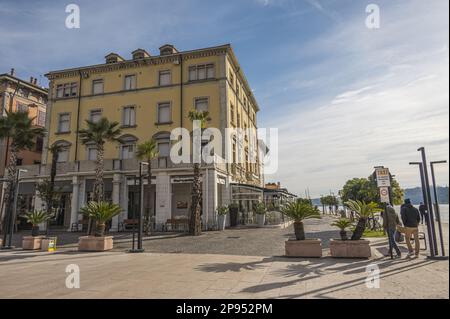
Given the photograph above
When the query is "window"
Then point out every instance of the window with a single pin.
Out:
(59, 90)
(95, 115)
(19, 161)
(231, 78)
(237, 90)
(73, 89)
(129, 116)
(22, 107)
(165, 78)
(63, 155)
(232, 113)
(164, 113)
(41, 118)
(238, 119)
(201, 104)
(91, 153)
(64, 123)
(164, 149)
(201, 72)
(39, 144)
(97, 87)
(127, 151)
(130, 82)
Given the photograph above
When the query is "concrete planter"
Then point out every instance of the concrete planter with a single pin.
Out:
(304, 248)
(350, 248)
(32, 242)
(91, 243)
(261, 219)
(221, 220)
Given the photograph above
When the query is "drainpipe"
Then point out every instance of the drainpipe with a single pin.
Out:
(181, 90)
(78, 117)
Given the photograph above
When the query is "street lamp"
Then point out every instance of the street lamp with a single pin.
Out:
(430, 203)
(431, 238)
(140, 249)
(12, 214)
(438, 213)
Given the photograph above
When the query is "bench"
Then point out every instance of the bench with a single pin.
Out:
(127, 224)
(75, 227)
(177, 224)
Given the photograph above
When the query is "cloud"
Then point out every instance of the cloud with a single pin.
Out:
(377, 98)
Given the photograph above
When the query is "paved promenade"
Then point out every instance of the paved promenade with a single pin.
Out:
(186, 272)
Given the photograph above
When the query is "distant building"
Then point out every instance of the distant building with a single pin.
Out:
(276, 195)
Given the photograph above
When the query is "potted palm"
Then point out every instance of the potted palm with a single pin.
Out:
(299, 211)
(356, 247)
(260, 211)
(343, 224)
(100, 213)
(35, 218)
(222, 212)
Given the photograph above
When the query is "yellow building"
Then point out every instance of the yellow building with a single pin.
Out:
(150, 95)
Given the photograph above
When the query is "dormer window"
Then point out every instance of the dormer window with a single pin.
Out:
(167, 49)
(113, 58)
(140, 54)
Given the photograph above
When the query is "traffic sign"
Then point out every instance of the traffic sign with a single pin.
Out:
(384, 195)
(383, 177)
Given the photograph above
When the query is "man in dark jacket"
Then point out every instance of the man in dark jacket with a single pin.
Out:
(411, 219)
(390, 223)
(423, 213)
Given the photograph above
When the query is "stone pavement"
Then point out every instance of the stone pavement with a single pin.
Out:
(198, 274)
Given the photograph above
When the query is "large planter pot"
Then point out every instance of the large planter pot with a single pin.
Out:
(261, 219)
(304, 248)
(221, 220)
(91, 243)
(32, 242)
(350, 248)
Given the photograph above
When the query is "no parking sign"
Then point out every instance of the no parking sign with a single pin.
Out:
(384, 194)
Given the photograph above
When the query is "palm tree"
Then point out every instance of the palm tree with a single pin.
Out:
(18, 128)
(47, 188)
(98, 133)
(35, 218)
(148, 151)
(300, 211)
(101, 212)
(342, 224)
(363, 210)
(195, 227)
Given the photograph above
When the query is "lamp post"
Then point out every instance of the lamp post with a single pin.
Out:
(430, 202)
(438, 213)
(140, 249)
(431, 238)
(12, 214)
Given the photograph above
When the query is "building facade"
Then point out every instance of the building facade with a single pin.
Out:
(20, 95)
(150, 96)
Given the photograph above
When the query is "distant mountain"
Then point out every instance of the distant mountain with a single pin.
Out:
(415, 194)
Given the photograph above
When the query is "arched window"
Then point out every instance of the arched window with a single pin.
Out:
(128, 146)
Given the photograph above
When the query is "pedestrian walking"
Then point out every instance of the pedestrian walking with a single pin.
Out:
(390, 223)
(411, 219)
(423, 213)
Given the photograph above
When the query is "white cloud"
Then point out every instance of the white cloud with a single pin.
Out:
(393, 99)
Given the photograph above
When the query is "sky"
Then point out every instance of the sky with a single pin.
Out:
(345, 98)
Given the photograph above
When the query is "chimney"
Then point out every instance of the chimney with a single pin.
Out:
(279, 185)
(31, 79)
(13, 72)
(35, 81)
